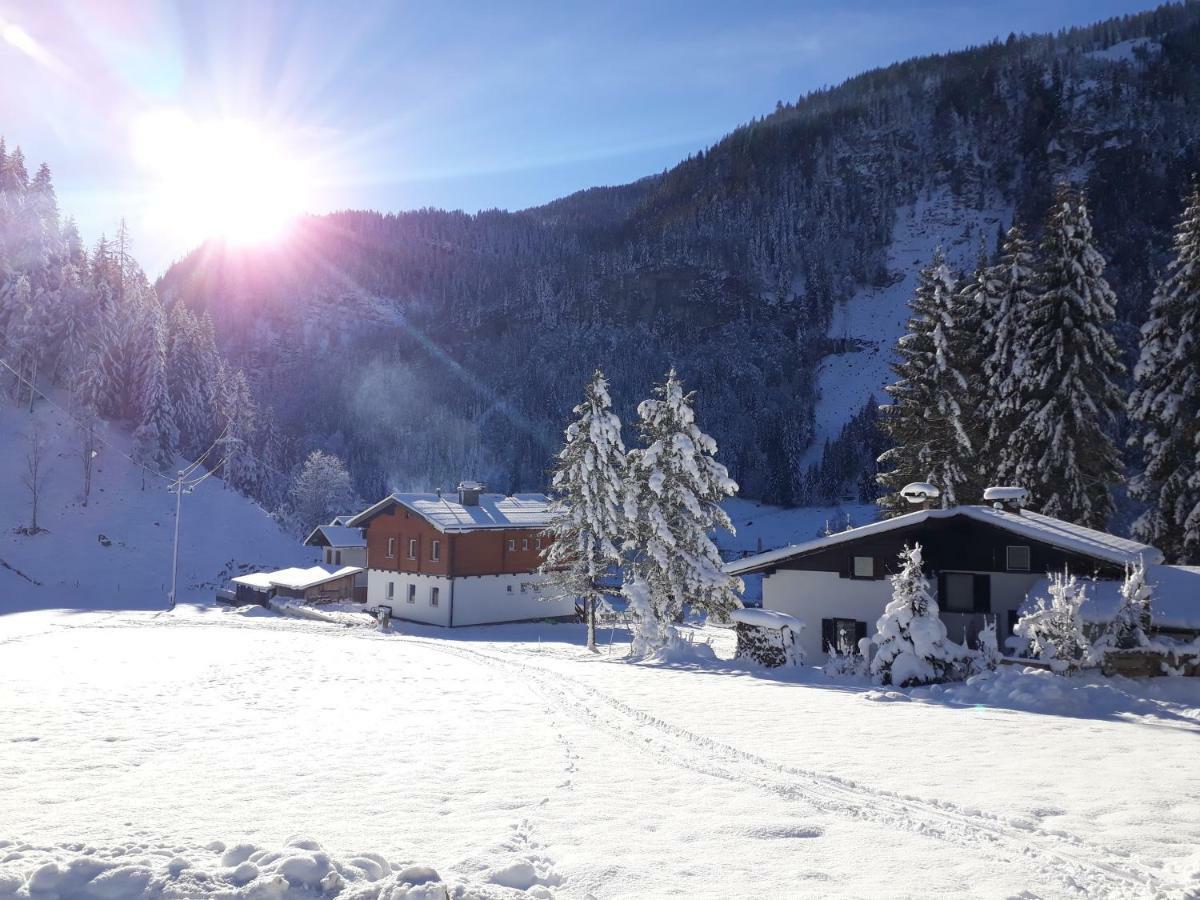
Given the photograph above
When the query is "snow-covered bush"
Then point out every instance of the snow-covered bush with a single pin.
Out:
(1130, 623)
(1051, 628)
(910, 635)
(649, 632)
(986, 655)
(847, 659)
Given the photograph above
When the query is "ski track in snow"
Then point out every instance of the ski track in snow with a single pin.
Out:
(1075, 865)
(1060, 857)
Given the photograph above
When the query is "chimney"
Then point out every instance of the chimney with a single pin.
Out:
(1009, 498)
(920, 495)
(469, 491)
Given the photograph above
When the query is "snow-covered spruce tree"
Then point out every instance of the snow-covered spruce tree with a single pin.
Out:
(910, 638)
(1165, 405)
(1130, 624)
(191, 376)
(588, 507)
(1051, 627)
(236, 413)
(674, 487)
(320, 491)
(1007, 295)
(925, 421)
(156, 438)
(1060, 449)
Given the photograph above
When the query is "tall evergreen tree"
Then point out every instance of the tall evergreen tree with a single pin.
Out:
(674, 490)
(1008, 294)
(1165, 405)
(156, 438)
(925, 420)
(1061, 450)
(588, 508)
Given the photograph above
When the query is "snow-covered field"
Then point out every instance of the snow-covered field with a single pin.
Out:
(209, 751)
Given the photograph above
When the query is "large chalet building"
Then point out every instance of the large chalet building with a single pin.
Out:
(469, 558)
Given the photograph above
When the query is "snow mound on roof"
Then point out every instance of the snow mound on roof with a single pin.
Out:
(766, 618)
(301, 869)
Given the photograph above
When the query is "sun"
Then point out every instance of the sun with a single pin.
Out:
(227, 179)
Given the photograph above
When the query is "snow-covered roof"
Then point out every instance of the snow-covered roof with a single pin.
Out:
(1174, 600)
(446, 514)
(341, 520)
(766, 618)
(1064, 535)
(335, 536)
(295, 579)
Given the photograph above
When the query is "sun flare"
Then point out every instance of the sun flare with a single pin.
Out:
(225, 179)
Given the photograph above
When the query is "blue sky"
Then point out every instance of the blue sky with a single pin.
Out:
(475, 105)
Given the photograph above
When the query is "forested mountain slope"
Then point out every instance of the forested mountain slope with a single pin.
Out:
(427, 345)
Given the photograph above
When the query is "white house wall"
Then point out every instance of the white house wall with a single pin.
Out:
(475, 600)
(813, 596)
(485, 599)
(418, 611)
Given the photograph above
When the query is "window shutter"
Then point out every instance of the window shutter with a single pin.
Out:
(941, 589)
(828, 639)
(983, 593)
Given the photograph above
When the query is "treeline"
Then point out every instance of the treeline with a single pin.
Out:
(90, 323)
(1011, 375)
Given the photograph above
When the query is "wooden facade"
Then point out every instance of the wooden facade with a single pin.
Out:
(401, 540)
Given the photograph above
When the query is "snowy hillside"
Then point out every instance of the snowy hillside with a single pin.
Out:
(115, 553)
(871, 321)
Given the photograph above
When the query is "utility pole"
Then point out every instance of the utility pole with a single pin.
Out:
(177, 487)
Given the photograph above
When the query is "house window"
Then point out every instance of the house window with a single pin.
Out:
(412, 548)
(960, 592)
(524, 543)
(512, 543)
(1017, 559)
(510, 590)
(391, 554)
(391, 590)
(864, 567)
(524, 587)
(337, 557)
(537, 544)
(412, 593)
(433, 596)
(435, 550)
(842, 635)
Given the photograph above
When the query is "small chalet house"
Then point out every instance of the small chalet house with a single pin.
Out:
(469, 559)
(983, 561)
(343, 546)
